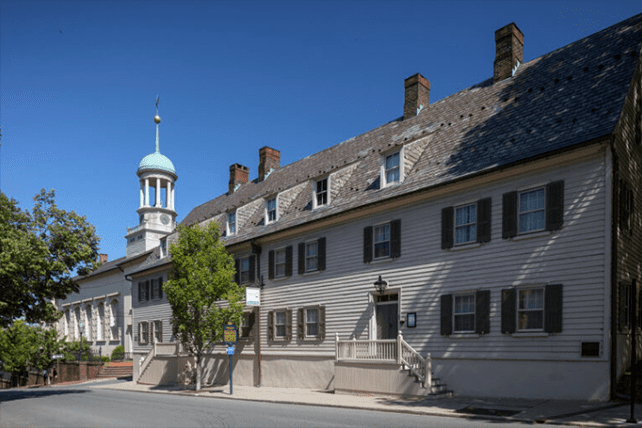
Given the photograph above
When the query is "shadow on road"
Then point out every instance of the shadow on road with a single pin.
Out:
(20, 394)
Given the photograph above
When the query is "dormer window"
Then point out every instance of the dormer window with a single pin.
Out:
(271, 214)
(163, 247)
(231, 223)
(392, 168)
(321, 196)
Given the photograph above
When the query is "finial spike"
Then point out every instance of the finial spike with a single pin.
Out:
(157, 119)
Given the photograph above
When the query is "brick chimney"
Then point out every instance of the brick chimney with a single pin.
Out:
(103, 258)
(239, 174)
(269, 159)
(509, 51)
(417, 95)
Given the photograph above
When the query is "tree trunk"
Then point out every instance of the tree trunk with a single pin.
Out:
(198, 372)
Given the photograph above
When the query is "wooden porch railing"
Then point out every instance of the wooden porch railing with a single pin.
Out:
(389, 350)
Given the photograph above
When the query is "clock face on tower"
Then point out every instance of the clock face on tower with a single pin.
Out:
(165, 219)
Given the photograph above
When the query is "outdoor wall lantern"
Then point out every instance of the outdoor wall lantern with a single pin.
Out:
(381, 285)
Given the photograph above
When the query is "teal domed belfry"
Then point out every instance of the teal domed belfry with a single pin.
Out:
(156, 211)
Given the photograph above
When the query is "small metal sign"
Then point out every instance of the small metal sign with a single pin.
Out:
(58, 356)
(230, 333)
(230, 350)
(252, 296)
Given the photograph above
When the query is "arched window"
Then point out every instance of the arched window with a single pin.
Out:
(113, 319)
(88, 324)
(65, 324)
(77, 321)
(100, 316)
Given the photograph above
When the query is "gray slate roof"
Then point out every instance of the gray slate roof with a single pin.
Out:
(555, 102)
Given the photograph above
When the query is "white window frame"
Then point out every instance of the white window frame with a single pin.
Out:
(280, 263)
(384, 170)
(308, 257)
(464, 314)
(232, 223)
(308, 324)
(163, 248)
(244, 274)
(268, 210)
(526, 310)
(316, 193)
(143, 333)
(527, 212)
(465, 225)
(157, 338)
(374, 241)
(88, 322)
(277, 324)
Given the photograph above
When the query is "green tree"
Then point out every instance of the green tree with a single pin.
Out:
(25, 346)
(39, 252)
(201, 292)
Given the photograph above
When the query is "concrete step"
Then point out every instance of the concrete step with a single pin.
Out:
(107, 371)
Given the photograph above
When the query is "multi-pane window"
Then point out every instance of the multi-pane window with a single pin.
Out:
(311, 256)
(142, 333)
(231, 223)
(464, 313)
(466, 224)
(322, 192)
(532, 210)
(279, 262)
(311, 322)
(158, 331)
(530, 309)
(143, 291)
(382, 241)
(279, 324)
(271, 210)
(392, 172)
(157, 288)
(163, 247)
(244, 268)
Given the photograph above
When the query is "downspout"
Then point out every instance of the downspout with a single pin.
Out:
(614, 266)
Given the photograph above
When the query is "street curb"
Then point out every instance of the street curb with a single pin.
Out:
(547, 421)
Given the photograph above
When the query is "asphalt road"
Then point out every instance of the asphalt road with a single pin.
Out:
(80, 406)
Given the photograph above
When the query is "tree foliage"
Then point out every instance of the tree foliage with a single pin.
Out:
(39, 252)
(201, 291)
(23, 345)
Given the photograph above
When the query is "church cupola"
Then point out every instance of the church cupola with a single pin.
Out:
(156, 213)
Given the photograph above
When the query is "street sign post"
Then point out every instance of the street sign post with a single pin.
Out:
(57, 356)
(230, 337)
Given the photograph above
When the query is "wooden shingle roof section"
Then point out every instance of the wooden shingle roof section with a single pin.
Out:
(571, 96)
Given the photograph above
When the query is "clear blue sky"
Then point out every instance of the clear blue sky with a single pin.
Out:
(78, 82)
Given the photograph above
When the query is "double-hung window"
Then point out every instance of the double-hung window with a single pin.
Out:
(532, 210)
(231, 223)
(311, 323)
(158, 331)
(464, 313)
(466, 224)
(392, 171)
(279, 263)
(530, 311)
(382, 241)
(280, 322)
(244, 270)
(321, 193)
(143, 337)
(271, 209)
(279, 325)
(163, 247)
(311, 256)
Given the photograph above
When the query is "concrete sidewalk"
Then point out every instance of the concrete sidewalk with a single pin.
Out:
(562, 412)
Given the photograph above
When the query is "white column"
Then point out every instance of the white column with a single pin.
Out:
(146, 192)
(158, 192)
(168, 194)
(173, 187)
(142, 193)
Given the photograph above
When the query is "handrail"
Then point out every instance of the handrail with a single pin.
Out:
(417, 365)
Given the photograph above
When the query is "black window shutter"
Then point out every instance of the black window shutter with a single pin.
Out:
(447, 218)
(140, 289)
(555, 205)
(509, 215)
(301, 323)
(301, 258)
(446, 314)
(553, 308)
(395, 239)
(288, 323)
(482, 312)
(483, 220)
(252, 266)
(288, 260)
(160, 287)
(270, 325)
(152, 291)
(271, 264)
(321, 322)
(321, 253)
(237, 275)
(508, 310)
(147, 290)
(367, 244)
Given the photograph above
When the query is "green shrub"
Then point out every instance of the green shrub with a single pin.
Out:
(104, 359)
(118, 352)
